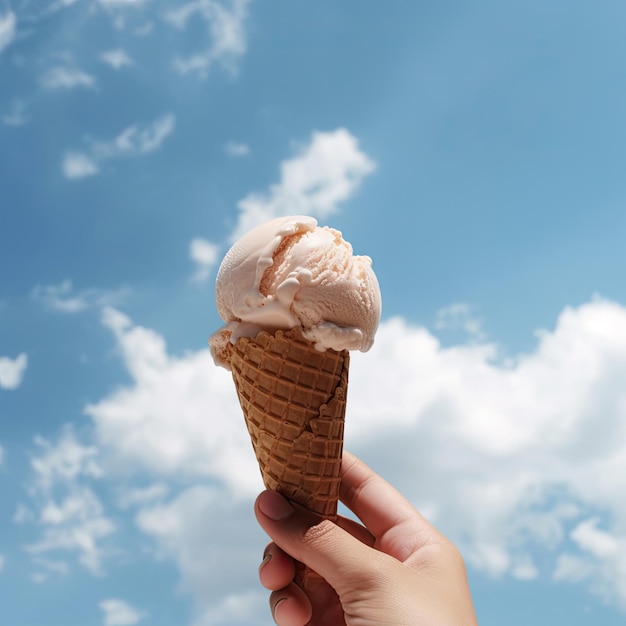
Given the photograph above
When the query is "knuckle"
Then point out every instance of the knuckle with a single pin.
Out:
(319, 535)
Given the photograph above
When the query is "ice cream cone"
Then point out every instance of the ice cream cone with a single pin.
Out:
(294, 399)
(292, 384)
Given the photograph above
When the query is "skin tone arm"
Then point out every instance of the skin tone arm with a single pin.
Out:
(394, 569)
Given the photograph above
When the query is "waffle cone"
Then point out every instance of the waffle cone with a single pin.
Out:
(294, 400)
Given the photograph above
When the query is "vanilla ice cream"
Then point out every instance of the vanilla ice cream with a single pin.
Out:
(289, 273)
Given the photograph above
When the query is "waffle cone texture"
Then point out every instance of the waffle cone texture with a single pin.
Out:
(294, 400)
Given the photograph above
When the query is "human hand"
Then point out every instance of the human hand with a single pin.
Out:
(396, 569)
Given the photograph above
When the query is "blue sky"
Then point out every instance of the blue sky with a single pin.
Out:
(475, 151)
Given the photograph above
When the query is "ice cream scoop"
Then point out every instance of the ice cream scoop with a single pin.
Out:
(289, 273)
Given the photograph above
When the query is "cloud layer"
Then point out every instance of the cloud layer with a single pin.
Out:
(520, 460)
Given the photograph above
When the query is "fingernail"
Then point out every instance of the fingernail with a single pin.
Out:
(274, 506)
(266, 559)
(275, 609)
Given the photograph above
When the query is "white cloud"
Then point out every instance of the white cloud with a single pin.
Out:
(64, 298)
(130, 497)
(525, 569)
(119, 613)
(459, 316)
(64, 461)
(225, 21)
(601, 559)
(116, 58)
(76, 527)
(8, 30)
(60, 297)
(71, 516)
(522, 457)
(64, 77)
(134, 141)
(236, 149)
(2, 562)
(12, 371)
(590, 538)
(76, 505)
(78, 165)
(205, 255)
(327, 171)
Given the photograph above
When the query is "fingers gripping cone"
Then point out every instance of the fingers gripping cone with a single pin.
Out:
(294, 400)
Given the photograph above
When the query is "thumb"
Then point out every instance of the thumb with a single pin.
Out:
(326, 548)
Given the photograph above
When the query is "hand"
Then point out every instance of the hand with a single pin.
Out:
(396, 569)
